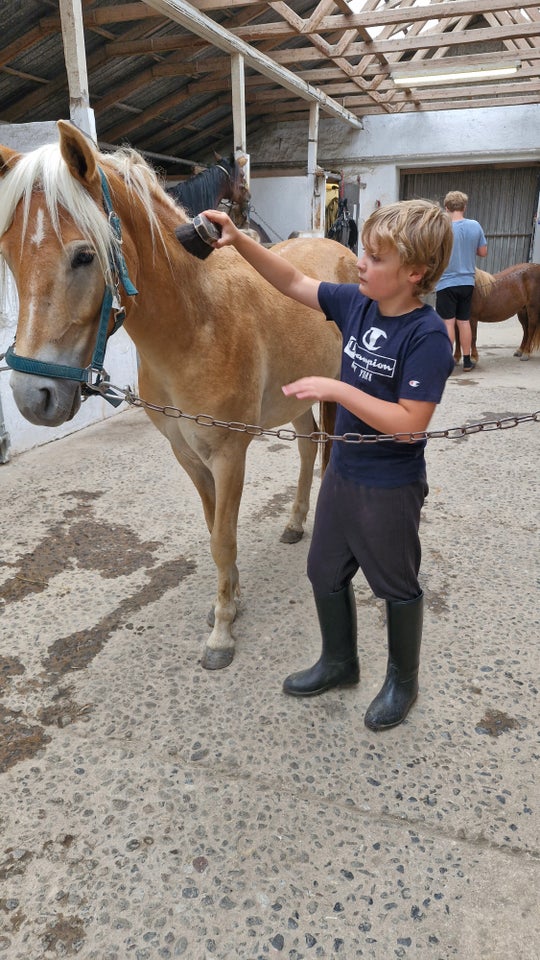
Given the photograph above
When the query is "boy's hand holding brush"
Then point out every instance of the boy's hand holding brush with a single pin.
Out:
(207, 231)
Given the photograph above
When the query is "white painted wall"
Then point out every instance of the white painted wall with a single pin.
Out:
(120, 360)
(281, 206)
(387, 144)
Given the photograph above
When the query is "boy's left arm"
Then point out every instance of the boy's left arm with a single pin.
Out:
(405, 416)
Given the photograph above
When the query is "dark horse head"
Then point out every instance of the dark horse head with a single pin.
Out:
(224, 180)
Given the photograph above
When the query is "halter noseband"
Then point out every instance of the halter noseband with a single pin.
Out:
(84, 375)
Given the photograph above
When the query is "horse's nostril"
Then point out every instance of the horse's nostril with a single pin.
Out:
(45, 403)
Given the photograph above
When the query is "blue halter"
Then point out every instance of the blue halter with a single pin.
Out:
(84, 375)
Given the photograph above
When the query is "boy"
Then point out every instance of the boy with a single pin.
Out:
(396, 360)
(456, 286)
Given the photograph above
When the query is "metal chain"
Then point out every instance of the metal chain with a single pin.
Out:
(317, 436)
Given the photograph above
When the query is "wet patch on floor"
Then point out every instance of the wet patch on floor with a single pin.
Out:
(276, 505)
(494, 723)
(76, 650)
(64, 937)
(21, 739)
(9, 667)
(111, 549)
(77, 541)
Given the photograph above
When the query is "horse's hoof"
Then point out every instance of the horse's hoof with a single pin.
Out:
(524, 356)
(518, 353)
(217, 659)
(291, 536)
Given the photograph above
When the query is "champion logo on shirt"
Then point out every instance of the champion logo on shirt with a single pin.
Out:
(414, 383)
(374, 338)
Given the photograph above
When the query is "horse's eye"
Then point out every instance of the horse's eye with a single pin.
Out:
(82, 257)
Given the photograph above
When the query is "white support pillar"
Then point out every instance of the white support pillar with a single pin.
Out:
(315, 179)
(80, 111)
(238, 89)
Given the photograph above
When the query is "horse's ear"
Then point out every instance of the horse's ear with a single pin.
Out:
(8, 159)
(217, 156)
(78, 153)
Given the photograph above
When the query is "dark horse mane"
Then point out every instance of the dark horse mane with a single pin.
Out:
(205, 190)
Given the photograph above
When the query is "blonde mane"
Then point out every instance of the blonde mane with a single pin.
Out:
(45, 169)
(483, 282)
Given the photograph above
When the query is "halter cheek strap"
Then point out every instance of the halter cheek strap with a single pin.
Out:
(85, 375)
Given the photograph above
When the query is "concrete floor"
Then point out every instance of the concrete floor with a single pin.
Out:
(151, 809)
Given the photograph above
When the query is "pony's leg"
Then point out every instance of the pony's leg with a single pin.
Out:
(307, 449)
(474, 334)
(524, 349)
(228, 472)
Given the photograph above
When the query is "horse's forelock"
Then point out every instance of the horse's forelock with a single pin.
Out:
(45, 169)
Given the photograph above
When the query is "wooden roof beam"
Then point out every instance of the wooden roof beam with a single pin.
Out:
(184, 13)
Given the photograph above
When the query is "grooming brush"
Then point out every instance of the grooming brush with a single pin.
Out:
(198, 236)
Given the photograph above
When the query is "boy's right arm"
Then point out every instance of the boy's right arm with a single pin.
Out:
(278, 271)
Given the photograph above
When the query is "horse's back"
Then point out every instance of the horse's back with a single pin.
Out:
(320, 258)
(499, 296)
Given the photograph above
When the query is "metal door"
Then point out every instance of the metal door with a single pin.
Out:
(503, 199)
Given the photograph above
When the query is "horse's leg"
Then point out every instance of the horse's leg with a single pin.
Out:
(307, 449)
(228, 471)
(524, 349)
(204, 482)
(474, 334)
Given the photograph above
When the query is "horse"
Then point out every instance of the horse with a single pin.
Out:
(213, 338)
(499, 296)
(223, 181)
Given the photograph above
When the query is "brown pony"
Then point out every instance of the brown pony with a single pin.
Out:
(212, 336)
(500, 296)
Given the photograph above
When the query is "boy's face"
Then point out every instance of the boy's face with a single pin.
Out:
(383, 276)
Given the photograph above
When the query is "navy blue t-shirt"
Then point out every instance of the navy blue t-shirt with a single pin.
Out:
(407, 357)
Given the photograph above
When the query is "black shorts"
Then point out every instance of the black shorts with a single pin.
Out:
(454, 302)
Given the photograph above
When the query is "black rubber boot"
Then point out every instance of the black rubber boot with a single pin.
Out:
(338, 663)
(400, 688)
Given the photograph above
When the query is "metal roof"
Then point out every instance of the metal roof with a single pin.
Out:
(166, 90)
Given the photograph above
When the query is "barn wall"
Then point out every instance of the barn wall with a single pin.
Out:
(372, 159)
(16, 434)
(290, 213)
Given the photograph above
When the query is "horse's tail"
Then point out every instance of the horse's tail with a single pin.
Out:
(535, 339)
(327, 425)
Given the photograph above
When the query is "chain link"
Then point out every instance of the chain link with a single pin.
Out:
(318, 436)
(107, 389)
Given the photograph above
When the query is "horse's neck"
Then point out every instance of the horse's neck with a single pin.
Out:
(205, 191)
(173, 288)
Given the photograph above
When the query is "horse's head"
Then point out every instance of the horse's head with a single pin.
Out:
(56, 239)
(238, 192)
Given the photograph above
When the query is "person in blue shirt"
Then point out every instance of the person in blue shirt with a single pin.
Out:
(455, 288)
(395, 362)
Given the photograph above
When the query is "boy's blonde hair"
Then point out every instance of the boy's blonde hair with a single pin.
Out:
(456, 200)
(420, 232)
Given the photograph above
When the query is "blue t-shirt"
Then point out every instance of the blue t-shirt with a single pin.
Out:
(407, 357)
(468, 236)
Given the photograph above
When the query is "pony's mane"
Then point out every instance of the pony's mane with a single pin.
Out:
(483, 282)
(46, 169)
(200, 192)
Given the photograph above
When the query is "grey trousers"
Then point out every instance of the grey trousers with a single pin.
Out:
(374, 529)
